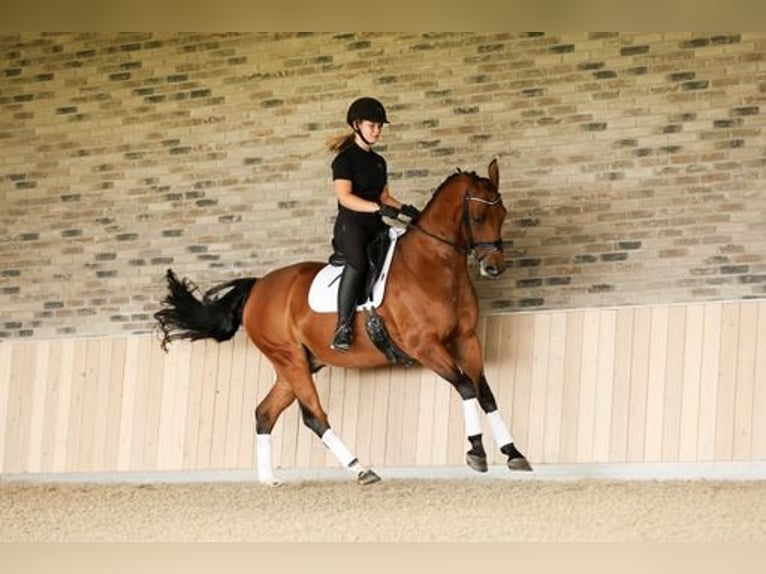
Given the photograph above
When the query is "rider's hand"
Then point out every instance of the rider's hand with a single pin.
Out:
(388, 211)
(410, 211)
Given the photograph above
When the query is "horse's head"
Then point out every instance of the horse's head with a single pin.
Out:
(483, 216)
(467, 213)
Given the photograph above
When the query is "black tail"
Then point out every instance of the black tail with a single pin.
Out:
(184, 316)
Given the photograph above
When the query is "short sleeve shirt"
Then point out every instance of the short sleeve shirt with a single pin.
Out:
(366, 170)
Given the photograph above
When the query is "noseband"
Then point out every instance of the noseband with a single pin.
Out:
(486, 247)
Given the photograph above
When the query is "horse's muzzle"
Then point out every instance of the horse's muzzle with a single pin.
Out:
(492, 267)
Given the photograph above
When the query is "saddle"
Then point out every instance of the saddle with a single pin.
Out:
(323, 293)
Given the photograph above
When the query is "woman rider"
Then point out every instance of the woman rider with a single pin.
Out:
(360, 181)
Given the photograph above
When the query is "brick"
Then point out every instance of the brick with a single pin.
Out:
(621, 154)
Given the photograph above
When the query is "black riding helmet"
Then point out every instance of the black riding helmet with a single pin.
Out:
(368, 109)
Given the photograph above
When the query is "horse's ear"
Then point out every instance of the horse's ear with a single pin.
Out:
(494, 174)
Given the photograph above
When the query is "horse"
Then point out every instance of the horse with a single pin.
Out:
(430, 312)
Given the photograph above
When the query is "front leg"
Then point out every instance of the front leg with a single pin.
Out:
(500, 430)
(435, 356)
(470, 360)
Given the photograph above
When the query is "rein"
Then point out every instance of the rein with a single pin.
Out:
(489, 246)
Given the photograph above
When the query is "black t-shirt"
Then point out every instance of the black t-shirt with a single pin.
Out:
(366, 170)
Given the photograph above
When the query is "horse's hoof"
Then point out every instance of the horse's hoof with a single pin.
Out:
(519, 463)
(476, 461)
(271, 483)
(367, 477)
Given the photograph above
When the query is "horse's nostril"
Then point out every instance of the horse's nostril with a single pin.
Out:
(490, 270)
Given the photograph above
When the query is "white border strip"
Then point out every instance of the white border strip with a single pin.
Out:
(638, 471)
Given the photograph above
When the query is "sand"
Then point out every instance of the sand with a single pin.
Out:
(393, 510)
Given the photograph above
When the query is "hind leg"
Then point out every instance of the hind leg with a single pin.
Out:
(316, 419)
(297, 370)
(267, 412)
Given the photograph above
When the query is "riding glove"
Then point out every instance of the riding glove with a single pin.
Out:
(388, 211)
(410, 211)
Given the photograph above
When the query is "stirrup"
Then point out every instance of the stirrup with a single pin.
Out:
(342, 339)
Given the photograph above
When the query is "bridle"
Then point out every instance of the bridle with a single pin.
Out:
(471, 246)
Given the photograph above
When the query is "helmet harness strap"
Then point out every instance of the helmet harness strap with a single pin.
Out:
(358, 132)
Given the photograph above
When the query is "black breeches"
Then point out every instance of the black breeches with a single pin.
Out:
(351, 237)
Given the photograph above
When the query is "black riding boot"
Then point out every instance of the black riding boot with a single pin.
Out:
(348, 293)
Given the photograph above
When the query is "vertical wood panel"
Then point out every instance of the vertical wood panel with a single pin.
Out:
(667, 382)
(426, 419)
(616, 393)
(639, 384)
(690, 392)
(381, 385)
(708, 402)
(167, 399)
(20, 405)
(727, 382)
(605, 370)
(745, 386)
(155, 384)
(63, 407)
(539, 384)
(671, 420)
(552, 419)
(207, 406)
(233, 430)
(522, 382)
(655, 410)
(53, 380)
(395, 418)
(6, 359)
(759, 394)
(586, 409)
(570, 407)
(221, 396)
(197, 381)
(89, 410)
(128, 407)
(103, 380)
(114, 408)
(74, 432)
(36, 415)
(409, 422)
(13, 413)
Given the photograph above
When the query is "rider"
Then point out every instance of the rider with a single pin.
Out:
(360, 181)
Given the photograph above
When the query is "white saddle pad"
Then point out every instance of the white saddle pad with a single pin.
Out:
(323, 293)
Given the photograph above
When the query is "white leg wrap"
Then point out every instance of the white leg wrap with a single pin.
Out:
(471, 416)
(499, 429)
(265, 473)
(336, 446)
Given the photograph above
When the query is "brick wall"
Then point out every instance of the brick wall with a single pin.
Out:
(632, 165)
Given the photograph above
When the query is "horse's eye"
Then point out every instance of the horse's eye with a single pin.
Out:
(478, 218)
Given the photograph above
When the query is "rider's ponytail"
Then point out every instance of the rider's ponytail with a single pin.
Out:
(341, 142)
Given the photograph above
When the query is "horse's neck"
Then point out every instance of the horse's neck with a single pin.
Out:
(437, 246)
(430, 259)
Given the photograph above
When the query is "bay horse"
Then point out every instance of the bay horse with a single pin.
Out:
(430, 311)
